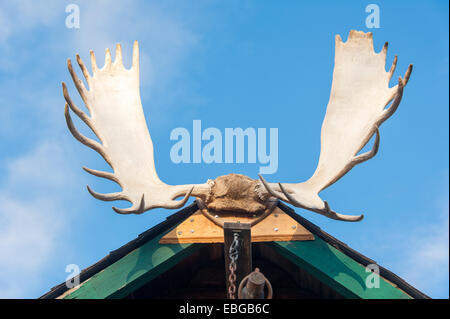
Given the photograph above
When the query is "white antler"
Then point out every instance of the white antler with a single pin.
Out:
(359, 94)
(117, 119)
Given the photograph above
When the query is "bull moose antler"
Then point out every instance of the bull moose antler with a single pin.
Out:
(117, 119)
(359, 94)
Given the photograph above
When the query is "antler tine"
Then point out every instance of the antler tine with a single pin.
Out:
(83, 116)
(393, 66)
(135, 62)
(368, 155)
(118, 57)
(83, 139)
(175, 204)
(108, 59)
(102, 174)
(139, 210)
(78, 83)
(326, 211)
(108, 197)
(270, 189)
(407, 74)
(385, 48)
(178, 204)
(131, 210)
(333, 215)
(93, 62)
(387, 113)
(398, 94)
(85, 71)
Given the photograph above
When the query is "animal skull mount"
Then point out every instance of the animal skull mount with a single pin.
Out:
(237, 195)
(360, 93)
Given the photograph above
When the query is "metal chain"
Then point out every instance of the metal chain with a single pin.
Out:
(234, 255)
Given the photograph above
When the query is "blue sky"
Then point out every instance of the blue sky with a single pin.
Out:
(257, 64)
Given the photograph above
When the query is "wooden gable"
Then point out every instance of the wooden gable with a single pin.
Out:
(331, 265)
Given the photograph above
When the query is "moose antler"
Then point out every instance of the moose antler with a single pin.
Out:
(117, 119)
(356, 109)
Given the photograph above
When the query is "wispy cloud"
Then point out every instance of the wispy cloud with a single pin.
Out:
(37, 162)
(36, 157)
(35, 165)
(425, 261)
(165, 40)
(417, 251)
(32, 217)
(29, 13)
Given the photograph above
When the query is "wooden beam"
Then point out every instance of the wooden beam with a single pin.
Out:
(244, 250)
(199, 229)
